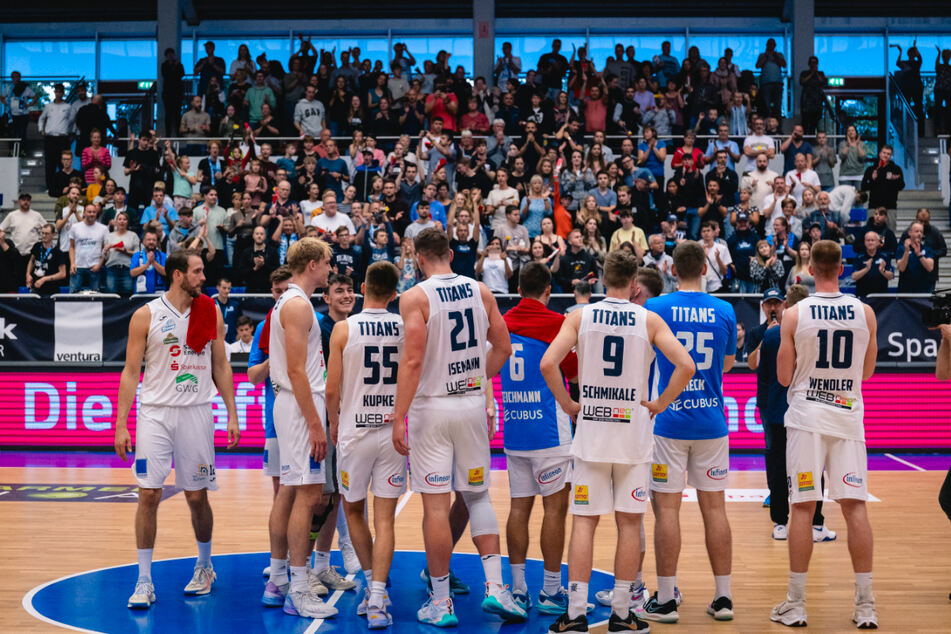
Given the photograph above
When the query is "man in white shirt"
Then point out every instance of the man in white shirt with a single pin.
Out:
(245, 336)
(758, 143)
(500, 197)
(844, 198)
(55, 124)
(86, 242)
(773, 204)
(23, 226)
(309, 114)
(718, 257)
(760, 181)
(330, 220)
(800, 178)
(507, 66)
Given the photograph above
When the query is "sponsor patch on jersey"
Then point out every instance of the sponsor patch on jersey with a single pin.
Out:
(173, 366)
(187, 382)
(639, 494)
(396, 480)
(477, 476)
(204, 471)
(345, 480)
(168, 326)
(581, 494)
(805, 481)
(546, 477)
(853, 479)
(314, 464)
(175, 350)
(437, 479)
(659, 472)
(170, 339)
(141, 466)
(717, 473)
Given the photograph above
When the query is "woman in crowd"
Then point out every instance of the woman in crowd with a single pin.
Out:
(493, 267)
(535, 206)
(550, 258)
(378, 92)
(765, 269)
(651, 153)
(549, 238)
(408, 266)
(589, 209)
(594, 243)
(183, 183)
(576, 182)
(852, 155)
(799, 273)
(96, 155)
(121, 244)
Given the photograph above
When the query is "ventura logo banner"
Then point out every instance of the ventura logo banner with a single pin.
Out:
(78, 328)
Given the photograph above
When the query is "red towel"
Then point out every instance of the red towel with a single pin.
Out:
(202, 323)
(530, 318)
(264, 341)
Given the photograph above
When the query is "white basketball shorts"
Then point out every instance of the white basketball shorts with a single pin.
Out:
(844, 460)
(703, 464)
(298, 467)
(185, 434)
(449, 444)
(370, 461)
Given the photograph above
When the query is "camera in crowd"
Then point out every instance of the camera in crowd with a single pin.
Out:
(940, 311)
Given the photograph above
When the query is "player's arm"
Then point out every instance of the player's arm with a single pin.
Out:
(550, 368)
(728, 362)
(258, 372)
(338, 339)
(664, 340)
(411, 363)
(786, 357)
(297, 318)
(134, 351)
(224, 380)
(943, 368)
(498, 334)
(871, 353)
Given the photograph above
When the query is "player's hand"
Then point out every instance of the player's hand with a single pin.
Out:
(399, 437)
(573, 409)
(123, 443)
(334, 426)
(234, 433)
(653, 407)
(318, 442)
(492, 421)
(945, 331)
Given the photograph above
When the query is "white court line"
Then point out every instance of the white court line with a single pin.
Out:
(905, 462)
(316, 623)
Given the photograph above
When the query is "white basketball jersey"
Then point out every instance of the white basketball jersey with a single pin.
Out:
(454, 363)
(831, 339)
(614, 359)
(175, 375)
(316, 371)
(370, 361)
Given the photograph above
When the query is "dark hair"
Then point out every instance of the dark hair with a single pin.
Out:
(223, 278)
(178, 261)
(381, 280)
(582, 288)
(281, 274)
(533, 279)
(620, 268)
(689, 258)
(649, 278)
(243, 320)
(432, 243)
(338, 278)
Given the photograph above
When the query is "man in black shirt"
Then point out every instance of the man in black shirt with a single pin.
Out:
(60, 182)
(883, 181)
(552, 67)
(46, 270)
(141, 165)
(394, 204)
(468, 178)
(465, 250)
(772, 305)
(577, 263)
(727, 179)
(878, 222)
(872, 267)
(347, 258)
(255, 265)
(742, 246)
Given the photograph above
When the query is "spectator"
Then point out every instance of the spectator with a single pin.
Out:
(333, 170)
(503, 196)
(494, 267)
(758, 143)
(878, 222)
(91, 116)
(725, 177)
(666, 65)
(799, 272)
(9, 262)
(760, 181)
(872, 267)
(660, 260)
(423, 220)
(845, 198)
(121, 245)
(258, 95)
(287, 233)
(932, 237)
(507, 66)
(790, 217)
(535, 206)
(627, 112)
(801, 177)
(141, 165)
(883, 181)
(46, 269)
(65, 173)
(443, 106)
(595, 109)
(196, 123)
(552, 67)
(766, 270)
(347, 257)
(714, 207)
(255, 265)
(228, 308)
(577, 263)
(812, 97)
(718, 258)
(665, 117)
(823, 161)
(161, 209)
(147, 266)
(831, 221)
(23, 226)
(942, 90)
(95, 155)
(87, 240)
(688, 149)
(173, 90)
(773, 204)
(331, 219)
(80, 99)
(739, 113)
(410, 273)
(184, 231)
(742, 246)
(628, 232)
(245, 336)
(692, 193)
(54, 125)
(915, 261)
(794, 145)
(725, 144)
(19, 98)
(605, 197)
(852, 156)
(515, 239)
(771, 63)
(208, 67)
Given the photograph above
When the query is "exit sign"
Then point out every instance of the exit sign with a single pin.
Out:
(836, 82)
(145, 85)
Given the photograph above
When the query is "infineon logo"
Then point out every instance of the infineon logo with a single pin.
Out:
(639, 494)
(717, 473)
(549, 476)
(437, 480)
(396, 480)
(853, 479)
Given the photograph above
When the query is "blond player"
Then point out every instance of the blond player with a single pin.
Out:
(174, 418)
(828, 348)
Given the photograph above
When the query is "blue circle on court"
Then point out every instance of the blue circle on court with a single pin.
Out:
(95, 601)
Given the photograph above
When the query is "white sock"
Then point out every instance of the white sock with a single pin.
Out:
(577, 599)
(321, 560)
(145, 563)
(665, 589)
(278, 571)
(377, 590)
(552, 581)
(518, 578)
(621, 602)
(723, 586)
(204, 554)
(368, 575)
(639, 580)
(440, 587)
(298, 578)
(492, 565)
(863, 585)
(797, 586)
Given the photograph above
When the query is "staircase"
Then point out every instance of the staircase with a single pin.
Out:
(910, 200)
(33, 180)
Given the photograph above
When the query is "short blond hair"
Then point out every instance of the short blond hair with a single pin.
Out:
(826, 259)
(305, 250)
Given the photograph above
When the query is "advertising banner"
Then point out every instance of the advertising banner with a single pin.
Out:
(78, 409)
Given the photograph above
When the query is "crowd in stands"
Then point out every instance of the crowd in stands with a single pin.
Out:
(515, 167)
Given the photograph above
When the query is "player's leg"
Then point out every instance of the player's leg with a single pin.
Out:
(708, 471)
(668, 479)
(278, 580)
(146, 521)
(384, 514)
(326, 515)
(522, 492)
(631, 484)
(776, 479)
(551, 475)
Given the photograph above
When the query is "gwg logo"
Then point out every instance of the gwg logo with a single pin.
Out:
(187, 382)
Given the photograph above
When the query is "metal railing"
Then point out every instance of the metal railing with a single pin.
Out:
(944, 169)
(902, 132)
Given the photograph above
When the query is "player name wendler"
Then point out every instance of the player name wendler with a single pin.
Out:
(830, 385)
(609, 393)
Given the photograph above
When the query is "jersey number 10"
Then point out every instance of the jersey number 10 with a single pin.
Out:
(841, 350)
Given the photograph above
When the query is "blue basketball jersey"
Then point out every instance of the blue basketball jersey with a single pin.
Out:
(255, 357)
(532, 420)
(706, 326)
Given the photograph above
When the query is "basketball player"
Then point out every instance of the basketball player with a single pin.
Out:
(612, 447)
(174, 418)
(537, 439)
(828, 348)
(649, 284)
(690, 438)
(297, 371)
(365, 352)
(448, 321)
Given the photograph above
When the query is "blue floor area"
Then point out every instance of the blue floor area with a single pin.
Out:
(96, 601)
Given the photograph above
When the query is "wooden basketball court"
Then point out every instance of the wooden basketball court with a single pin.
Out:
(42, 541)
